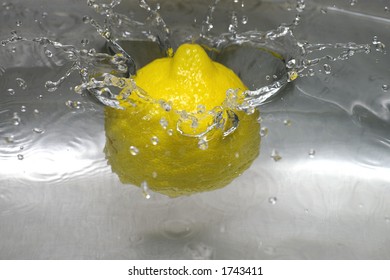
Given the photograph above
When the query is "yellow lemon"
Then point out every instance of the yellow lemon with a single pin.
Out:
(179, 134)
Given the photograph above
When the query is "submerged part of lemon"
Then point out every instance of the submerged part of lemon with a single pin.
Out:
(179, 135)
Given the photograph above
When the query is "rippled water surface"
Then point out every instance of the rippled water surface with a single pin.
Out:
(319, 189)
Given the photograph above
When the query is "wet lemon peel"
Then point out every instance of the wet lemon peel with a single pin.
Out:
(176, 164)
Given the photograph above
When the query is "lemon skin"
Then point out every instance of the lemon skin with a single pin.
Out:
(146, 144)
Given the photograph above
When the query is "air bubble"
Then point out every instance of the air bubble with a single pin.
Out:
(154, 140)
(272, 200)
(20, 157)
(134, 150)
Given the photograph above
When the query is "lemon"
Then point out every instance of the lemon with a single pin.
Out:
(178, 135)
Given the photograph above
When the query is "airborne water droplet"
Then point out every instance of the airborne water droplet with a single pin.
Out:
(263, 131)
(287, 122)
(385, 87)
(145, 189)
(134, 150)
(272, 200)
(275, 155)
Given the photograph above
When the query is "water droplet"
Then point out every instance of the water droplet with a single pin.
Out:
(263, 131)
(386, 9)
(353, 2)
(275, 155)
(19, 23)
(9, 139)
(154, 140)
(327, 69)
(324, 11)
(310, 72)
(268, 77)
(154, 174)
(11, 91)
(21, 148)
(201, 109)
(175, 229)
(202, 144)
(38, 130)
(16, 119)
(385, 87)
(244, 19)
(145, 189)
(312, 153)
(378, 45)
(291, 63)
(287, 122)
(21, 83)
(84, 42)
(20, 157)
(36, 111)
(306, 211)
(48, 53)
(272, 200)
(86, 19)
(166, 106)
(164, 123)
(170, 132)
(199, 251)
(23, 109)
(237, 155)
(134, 150)
(300, 6)
(73, 104)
